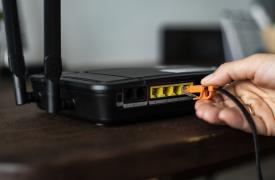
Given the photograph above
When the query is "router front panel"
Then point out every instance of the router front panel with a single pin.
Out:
(115, 96)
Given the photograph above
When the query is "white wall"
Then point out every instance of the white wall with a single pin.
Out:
(116, 32)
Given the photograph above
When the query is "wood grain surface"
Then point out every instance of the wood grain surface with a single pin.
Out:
(36, 145)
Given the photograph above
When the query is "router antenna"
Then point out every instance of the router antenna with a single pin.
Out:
(15, 52)
(52, 53)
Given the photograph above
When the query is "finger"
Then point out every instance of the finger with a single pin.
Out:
(236, 70)
(257, 100)
(234, 118)
(208, 111)
(264, 114)
(231, 88)
(217, 99)
(231, 116)
(201, 102)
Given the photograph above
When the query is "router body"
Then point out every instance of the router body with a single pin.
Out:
(110, 96)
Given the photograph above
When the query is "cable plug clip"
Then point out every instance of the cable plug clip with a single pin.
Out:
(204, 92)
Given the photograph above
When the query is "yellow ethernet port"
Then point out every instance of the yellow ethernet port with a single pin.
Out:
(178, 90)
(153, 92)
(170, 91)
(160, 92)
(167, 90)
(157, 92)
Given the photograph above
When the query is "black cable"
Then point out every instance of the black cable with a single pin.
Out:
(253, 128)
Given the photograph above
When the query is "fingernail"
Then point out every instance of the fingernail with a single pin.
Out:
(207, 78)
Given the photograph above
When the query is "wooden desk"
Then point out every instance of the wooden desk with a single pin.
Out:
(35, 145)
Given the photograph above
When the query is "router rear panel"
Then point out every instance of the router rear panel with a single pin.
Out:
(103, 95)
(123, 95)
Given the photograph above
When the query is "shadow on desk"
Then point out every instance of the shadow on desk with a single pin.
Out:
(36, 145)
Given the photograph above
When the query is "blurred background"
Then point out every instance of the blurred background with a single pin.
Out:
(101, 33)
(106, 33)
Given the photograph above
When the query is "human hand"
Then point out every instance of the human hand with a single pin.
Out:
(253, 83)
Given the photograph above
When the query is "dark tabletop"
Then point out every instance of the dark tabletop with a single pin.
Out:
(36, 145)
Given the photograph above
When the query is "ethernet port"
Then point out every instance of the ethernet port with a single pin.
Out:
(170, 91)
(160, 93)
(177, 90)
(154, 93)
(135, 94)
(141, 93)
(119, 98)
(183, 89)
(166, 91)
(130, 94)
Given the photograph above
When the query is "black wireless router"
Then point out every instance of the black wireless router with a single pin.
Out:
(102, 96)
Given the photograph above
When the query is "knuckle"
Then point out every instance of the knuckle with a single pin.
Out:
(257, 56)
(224, 65)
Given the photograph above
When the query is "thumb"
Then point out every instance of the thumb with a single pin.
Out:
(237, 70)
